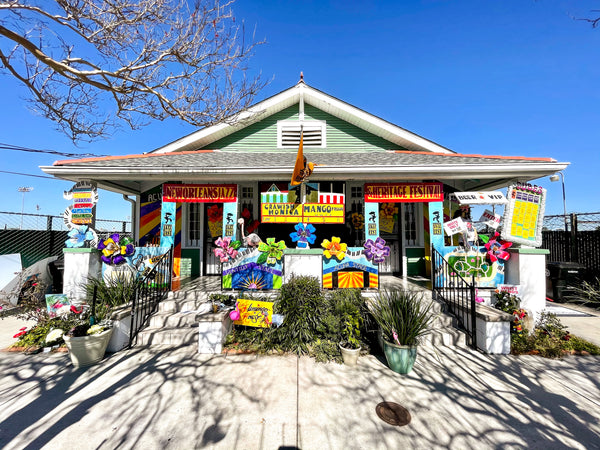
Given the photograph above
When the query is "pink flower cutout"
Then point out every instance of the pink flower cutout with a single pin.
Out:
(225, 250)
(497, 249)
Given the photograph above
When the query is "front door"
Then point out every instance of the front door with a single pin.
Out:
(213, 228)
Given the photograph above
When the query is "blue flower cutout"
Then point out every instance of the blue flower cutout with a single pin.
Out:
(304, 233)
(78, 236)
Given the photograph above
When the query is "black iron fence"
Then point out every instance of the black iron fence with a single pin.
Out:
(153, 288)
(574, 238)
(457, 293)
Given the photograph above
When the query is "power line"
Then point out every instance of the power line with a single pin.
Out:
(29, 175)
(51, 152)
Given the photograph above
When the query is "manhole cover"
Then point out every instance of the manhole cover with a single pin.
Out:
(393, 413)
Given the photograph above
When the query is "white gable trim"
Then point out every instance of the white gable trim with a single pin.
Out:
(313, 97)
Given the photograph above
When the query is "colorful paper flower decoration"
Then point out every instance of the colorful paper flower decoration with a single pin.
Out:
(215, 213)
(249, 223)
(358, 221)
(496, 249)
(115, 249)
(78, 235)
(271, 251)
(304, 233)
(334, 248)
(388, 211)
(376, 251)
(226, 249)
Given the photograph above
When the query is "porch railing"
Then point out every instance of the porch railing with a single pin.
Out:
(457, 293)
(154, 287)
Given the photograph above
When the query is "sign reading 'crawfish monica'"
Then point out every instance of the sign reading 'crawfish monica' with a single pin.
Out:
(403, 192)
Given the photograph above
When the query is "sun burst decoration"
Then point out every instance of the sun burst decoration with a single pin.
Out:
(253, 281)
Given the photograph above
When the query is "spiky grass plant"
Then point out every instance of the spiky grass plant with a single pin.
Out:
(403, 316)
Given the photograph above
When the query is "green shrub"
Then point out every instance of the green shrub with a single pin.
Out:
(314, 322)
(550, 339)
(120, 289)
(301, 302)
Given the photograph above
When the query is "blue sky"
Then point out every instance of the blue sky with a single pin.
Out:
(510, 77)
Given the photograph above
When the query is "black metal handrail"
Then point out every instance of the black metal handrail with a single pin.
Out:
(457, 293)
(153, 288)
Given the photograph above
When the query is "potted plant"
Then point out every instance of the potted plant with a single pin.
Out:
(403, 318)
(350, 334)
(87, 343)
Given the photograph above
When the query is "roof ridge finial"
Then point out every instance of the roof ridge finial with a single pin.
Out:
(301, 77)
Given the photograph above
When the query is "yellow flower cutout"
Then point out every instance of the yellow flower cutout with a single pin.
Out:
(388, 210)
(334, 248)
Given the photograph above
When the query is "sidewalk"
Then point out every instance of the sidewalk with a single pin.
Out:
(153, 399)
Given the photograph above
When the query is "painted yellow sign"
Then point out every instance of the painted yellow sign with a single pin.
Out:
(323, 213)
(307, 213)
(254, 313)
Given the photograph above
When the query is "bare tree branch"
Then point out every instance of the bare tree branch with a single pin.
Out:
(136, 60)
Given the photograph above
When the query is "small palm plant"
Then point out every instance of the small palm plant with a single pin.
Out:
(403, 316)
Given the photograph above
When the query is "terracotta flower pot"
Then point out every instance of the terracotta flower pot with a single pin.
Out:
(88, 350)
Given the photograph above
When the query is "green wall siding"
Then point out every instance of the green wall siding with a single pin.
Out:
(341, 135)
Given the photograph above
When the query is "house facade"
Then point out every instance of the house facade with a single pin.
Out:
(374, 203)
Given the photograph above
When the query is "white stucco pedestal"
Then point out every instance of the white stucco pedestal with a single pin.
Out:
(527, 268)
(81, 264)
(213, 328)
(303, 262)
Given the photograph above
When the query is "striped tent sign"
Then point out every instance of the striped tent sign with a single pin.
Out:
(328, 198)
(274, 197)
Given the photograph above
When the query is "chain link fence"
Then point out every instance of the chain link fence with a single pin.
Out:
(39, 236)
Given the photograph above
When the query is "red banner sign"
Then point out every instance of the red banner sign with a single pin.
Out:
(199, 193)
(403, 192)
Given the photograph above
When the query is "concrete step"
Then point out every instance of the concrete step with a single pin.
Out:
(174, 306)
(163, 319)
(445, 337)
(168, 336)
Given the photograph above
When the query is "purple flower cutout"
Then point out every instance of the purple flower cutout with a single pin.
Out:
(376, 251)
(115, 249)
(304, 233)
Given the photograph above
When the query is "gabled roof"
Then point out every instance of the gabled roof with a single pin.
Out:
(313, 97)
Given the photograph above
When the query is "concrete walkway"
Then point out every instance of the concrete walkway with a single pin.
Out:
(153, 399)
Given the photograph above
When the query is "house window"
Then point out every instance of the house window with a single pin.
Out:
(413, 217)
(193, 224)
(314, 134)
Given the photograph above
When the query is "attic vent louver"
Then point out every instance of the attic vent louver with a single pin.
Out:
(288, 134)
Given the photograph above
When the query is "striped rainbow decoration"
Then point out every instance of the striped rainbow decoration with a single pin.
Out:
(150, 217)
(177, 242)
(327, 281)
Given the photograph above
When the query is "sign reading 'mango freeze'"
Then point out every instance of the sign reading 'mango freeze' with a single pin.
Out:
(403, 192)
(199, 193)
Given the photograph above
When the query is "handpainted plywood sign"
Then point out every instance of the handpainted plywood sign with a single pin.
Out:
(403, 192)
(307, 213)
(84, 196)
(524, 215)
(254, 313)
(481, 198)
(200, 193)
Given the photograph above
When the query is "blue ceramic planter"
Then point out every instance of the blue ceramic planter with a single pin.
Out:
(400, 358)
